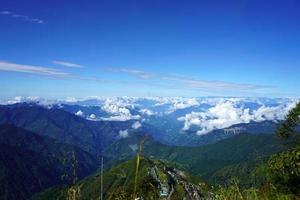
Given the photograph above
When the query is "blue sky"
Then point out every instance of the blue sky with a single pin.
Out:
(56, 49)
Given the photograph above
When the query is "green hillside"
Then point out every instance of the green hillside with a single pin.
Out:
(155, 180)
(205, 161)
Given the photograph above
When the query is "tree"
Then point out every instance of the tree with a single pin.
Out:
(284, 168)
(287, 128)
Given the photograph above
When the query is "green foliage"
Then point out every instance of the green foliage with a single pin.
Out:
(283, 171)
(235, 191)
(119, 182)
(217, 163)
(292, 120)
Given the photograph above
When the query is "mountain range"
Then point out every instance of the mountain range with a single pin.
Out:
(56, 146)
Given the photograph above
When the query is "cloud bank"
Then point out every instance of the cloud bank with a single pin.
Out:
(227, 113)
(202, 114)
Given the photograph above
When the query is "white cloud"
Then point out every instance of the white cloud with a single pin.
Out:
(182, 103)
(146, 111)
(80, 113)
(136, 125)
(123, 133)
(273, 113)
(201, 84)
(119, 108)
(175, 103)
(20, 99)
(24, 17)
(71, 100)
(216, 113)
(115, 107)
(92, 117)
(227, 113)
(190, 82)
(13, 67)
(121, 118)
(133, 72)
(67, 64)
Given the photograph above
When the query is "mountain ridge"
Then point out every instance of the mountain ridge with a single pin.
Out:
(30, 163)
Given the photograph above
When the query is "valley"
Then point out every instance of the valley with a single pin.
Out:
(59, 152)
(149, 100)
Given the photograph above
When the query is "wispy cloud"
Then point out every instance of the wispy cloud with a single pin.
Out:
(213, 84)
(14, 67)
(151, 80)
(48, 71)
(133, 72)
(23, 17)
(67, 64)
(190, 82)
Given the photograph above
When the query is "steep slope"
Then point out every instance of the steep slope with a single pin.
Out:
(91, 136)
(203, 161)
(30, 163)
(155, 180)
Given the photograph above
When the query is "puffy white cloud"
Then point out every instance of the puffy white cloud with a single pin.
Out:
(175, 103)
(146, 111)
(92, 117)
(227, 113)
(119, 108)
(136, 125)
(123, 133)
(183, 103)
(115, 108)
(273, 113)
(80, 113)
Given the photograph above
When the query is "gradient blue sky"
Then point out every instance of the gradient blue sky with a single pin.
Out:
(58, 48)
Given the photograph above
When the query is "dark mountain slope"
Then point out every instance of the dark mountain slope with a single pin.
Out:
(91, 136)
(30, 163)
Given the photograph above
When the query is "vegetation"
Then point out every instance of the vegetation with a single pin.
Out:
(216, 163)
(246, 166)
(30, 163)
(281, 171)
(119, 183)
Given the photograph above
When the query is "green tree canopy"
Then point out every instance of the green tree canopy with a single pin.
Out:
(287, 128)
